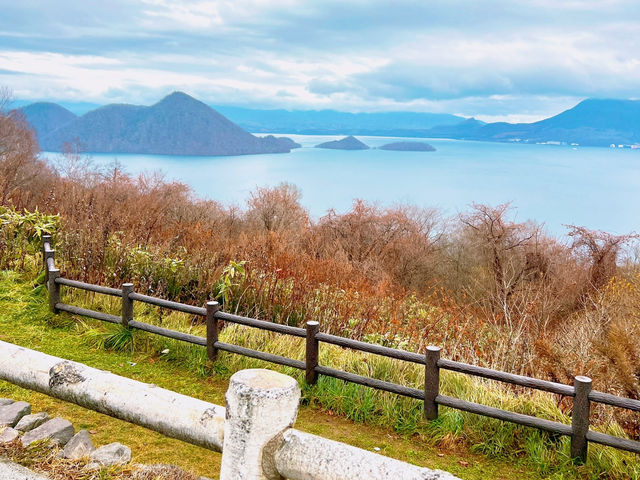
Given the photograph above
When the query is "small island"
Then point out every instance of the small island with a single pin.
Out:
(284, 141)
(347, 143)
(408, 147)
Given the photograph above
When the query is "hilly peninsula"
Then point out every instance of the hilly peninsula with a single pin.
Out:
(347, 143)
(177, 125)
(592, 122)
(408, 147)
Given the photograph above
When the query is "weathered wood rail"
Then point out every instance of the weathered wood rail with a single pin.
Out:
(581, 391)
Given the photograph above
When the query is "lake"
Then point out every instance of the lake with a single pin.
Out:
(595, 187)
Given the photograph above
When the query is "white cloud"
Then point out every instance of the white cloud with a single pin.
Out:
(499, 59)
(168, 14)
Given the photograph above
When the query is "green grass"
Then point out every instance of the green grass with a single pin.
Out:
(334, 409)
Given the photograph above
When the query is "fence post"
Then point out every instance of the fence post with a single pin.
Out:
(46, 254)
(261, 404)
(54, 290)
(580, 419)
(127, 304)
(212, 330)
(431, 382)
(311, 357)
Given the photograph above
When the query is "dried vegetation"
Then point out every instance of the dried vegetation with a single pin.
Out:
(490, 290)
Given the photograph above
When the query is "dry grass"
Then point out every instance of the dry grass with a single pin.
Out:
(43, 458)
(489, 290)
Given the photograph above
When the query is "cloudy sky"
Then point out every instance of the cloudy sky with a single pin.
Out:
(492, 59)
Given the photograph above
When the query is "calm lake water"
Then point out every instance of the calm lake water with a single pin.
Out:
(595, 187)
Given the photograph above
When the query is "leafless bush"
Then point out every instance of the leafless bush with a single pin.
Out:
(22, 174)
(277, 209)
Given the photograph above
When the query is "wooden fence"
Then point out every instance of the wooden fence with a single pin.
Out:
(580, 391)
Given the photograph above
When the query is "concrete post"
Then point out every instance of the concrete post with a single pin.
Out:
(261, 404)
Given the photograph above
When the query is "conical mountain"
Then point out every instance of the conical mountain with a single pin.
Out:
(176, 125)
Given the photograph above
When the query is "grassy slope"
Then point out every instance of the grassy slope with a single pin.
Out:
(24, 320)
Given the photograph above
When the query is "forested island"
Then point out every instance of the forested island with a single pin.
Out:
(346, 143)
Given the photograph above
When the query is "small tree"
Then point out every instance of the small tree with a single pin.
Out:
(602, 250)
(508, 248)
(76, 166)
(277, 208)
(20, 168)
(396, 243)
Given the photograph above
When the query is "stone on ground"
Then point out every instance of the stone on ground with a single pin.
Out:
(12, 413)
(58, 430)
(13, 471)
(5, 401)
(79, 446)
(112, 454)
(29, 422)
(8, 435)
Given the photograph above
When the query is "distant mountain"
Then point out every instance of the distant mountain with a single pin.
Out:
(181, 125)
(177, 125)
(466, 129)
(347, 143)
(408, 147)
(592, 122)
(331, 122)
(45, 117)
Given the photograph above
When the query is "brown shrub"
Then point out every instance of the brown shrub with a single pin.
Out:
(490, 290)
(22, 174)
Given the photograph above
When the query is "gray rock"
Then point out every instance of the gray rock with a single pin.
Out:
(13, 471)
(11, 414)
(112, 454)
(5, 401)
(8, 435)
(29, 422)
(58, 430)
(79, 446)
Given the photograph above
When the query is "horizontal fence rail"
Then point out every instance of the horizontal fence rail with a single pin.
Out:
(581, 391)
(544, 385)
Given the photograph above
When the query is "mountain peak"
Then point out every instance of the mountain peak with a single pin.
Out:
(178, 95)
(179, 98)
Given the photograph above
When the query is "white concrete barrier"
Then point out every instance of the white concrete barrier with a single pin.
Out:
(172, 414)
(302, 456)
